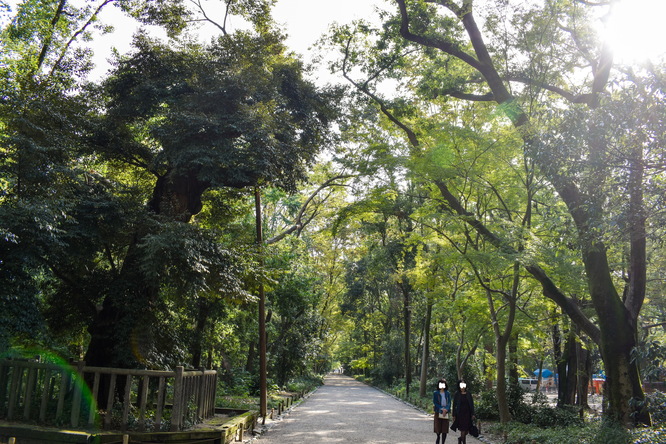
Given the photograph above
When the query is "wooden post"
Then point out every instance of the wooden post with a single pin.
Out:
(263, 384)
(201, 401)
(161, 397)
(143, 401)
(4, 376)
(127, 400)
(95, 402)
(109, 401)
(45, 395)
(29, 389)
(17, 375)
(76, 401)
(177, 412)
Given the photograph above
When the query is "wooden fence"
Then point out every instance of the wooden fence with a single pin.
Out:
(142, 400)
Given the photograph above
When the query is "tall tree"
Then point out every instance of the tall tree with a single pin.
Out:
(574, 128)
(236, 113)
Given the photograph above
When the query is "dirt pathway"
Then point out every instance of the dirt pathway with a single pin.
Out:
(344, 410)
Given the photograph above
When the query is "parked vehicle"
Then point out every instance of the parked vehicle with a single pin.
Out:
(528, 384)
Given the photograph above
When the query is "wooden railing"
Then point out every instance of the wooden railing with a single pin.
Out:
(142, 400)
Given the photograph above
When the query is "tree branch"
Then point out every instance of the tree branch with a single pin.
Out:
(81, 30)
(223, 26)
(413, 140)
(299, 223)
(47, 42)
(550, 290)
(443, 45)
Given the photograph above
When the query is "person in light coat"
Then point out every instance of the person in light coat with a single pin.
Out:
(441, 399)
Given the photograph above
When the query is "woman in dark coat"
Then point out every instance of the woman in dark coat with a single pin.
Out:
(441, 399)
(463, 411)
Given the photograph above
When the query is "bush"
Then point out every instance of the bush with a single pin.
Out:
(517, 433)
(611, 433)
(595, 432)
(540, 414)
(649, 436)
(545, 416)
(486, 406)
(304, 383)
(657, 407)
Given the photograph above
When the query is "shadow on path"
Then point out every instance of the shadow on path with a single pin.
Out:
(344, 410)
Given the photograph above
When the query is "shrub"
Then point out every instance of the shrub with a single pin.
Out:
(657, 407)
(594, 432)
(517, 433)
(539, 414)
(486, 406)
(612, 433)
(304, 383)
(545, 416)
(649, 436)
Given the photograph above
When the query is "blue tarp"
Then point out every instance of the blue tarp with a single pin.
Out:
(545, 373)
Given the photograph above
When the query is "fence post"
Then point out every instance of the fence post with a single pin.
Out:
(76, 401)
(17, 375)
(177, 410)
(201, 398)
(4, 374)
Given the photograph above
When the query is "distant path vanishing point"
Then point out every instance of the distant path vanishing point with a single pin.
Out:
(344, 410)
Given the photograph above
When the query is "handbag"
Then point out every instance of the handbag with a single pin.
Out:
(446, 415)
(474, 430)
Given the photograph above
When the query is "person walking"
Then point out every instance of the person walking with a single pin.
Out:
(441, 399)
(463, 411)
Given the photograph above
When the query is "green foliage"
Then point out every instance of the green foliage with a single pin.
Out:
(184, 111)
(304, 384)
(546, 416)
(657, 407)
(391, 364)
(654, 435)
(486, 406)
(596, 432)
(652, 357)
(539, 415)
(612, 433)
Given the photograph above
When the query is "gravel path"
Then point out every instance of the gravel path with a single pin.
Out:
(344, 410)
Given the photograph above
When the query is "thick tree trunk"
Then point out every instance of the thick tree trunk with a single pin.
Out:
(618, 339)
(126, 312)
(120, 333)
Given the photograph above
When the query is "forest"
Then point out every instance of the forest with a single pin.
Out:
(480, 196)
